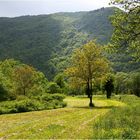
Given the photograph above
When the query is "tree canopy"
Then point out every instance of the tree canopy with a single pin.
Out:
(88, 63)
(17, 78)
(126, 24)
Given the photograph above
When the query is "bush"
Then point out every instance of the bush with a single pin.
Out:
(46, 98)
(3, 93)
(53, 100)
(52, 87)
(24, 104)
(21, 97)
(58, 97)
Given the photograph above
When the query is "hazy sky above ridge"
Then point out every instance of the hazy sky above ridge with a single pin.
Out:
(13, 8)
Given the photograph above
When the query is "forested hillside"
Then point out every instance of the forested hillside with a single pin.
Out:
(45, 41)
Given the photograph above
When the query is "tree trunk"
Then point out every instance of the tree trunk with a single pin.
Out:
(91, 103)
(88, 90)
(108, 94)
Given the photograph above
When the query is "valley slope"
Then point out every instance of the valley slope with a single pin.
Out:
(45, 41)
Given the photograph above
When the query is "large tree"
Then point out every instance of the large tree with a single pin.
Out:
(126, 24)
(87, 64)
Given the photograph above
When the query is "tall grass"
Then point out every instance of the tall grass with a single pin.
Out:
(121, 122)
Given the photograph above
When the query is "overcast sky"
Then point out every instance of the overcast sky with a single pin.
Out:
(13, 8)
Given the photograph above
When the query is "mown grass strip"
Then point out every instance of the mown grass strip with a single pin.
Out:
(75, 121)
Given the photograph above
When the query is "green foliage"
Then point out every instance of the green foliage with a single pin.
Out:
(24, 85)
(127, 83)
(6, 71)
(20, 79)
(52, 87)
(18, 106)
(126, 25)
(97, 19)
(108, 85)
(123, 62)
(59, 97)
(122, 83)
(50, 97)
(24, 104)
(3, 93)
(74, 90)
(136, 84)
(25, 79)
(59, 79)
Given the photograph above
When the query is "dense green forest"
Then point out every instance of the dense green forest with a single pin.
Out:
(46, 41)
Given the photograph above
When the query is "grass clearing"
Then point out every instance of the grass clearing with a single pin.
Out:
(121, 123)
(77, 120)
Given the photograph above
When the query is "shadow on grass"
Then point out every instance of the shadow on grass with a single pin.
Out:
(96, 107)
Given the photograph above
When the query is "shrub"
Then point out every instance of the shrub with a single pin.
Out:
(21, 97)
(46, 98)
(58, 97)
(24, 104)
(53, 100)
(52, 87)
(3, 93)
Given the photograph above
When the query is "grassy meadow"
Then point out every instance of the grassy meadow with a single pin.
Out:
(112, 118)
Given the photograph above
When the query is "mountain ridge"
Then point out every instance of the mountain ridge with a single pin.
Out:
(45, 41)
(71, 12)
